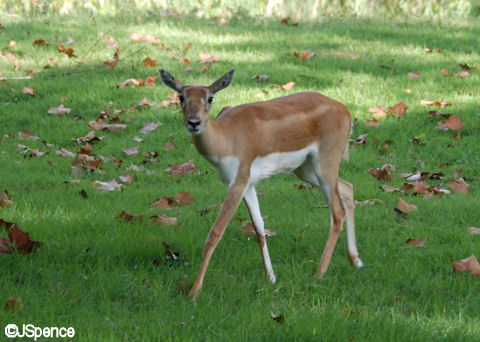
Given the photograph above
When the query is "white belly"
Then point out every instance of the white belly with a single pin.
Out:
(282, 162)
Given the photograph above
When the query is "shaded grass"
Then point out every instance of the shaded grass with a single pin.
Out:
(95, 272)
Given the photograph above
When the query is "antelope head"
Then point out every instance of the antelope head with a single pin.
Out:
(196, 100)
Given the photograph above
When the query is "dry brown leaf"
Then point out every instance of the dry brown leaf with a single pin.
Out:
(13, 304)
(184, 199)
(388, 188)
(164, 203)
(378, 112)
(372, 122)
(454, 123)
(413, 75)
(148, 62)
(27, 135)
(131, 151)
(21, 240)
(125, 215)
(416, 242)
(164, 220)
(463, 74)
(59, 110)
(469, 264)
(404, 207)
(287, 86)
(136, 37)
(179, 170)
(458, 185)
(435, 103)
(399, 109)
(207, 58)
(65, 153)
(68, 51)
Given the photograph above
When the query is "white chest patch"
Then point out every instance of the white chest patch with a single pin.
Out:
(227, 168)
(282, 162)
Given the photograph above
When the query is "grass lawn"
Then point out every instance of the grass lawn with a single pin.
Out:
(110, 278)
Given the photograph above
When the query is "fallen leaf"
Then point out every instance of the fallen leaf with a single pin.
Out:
(60, 110)
(149, 127)
(454, 123)
(164, 220)
(435, 103)
(28, 91)
(148, 62)
(399, 109)
(27, 135)
(458, 185)
(413, 75)
(469, 264)
(416, 242)
(445, 72)
(13, 304)
(287, 86)
(380, 173)
(179, 170)
(129, 216)
(404, 207)
(136, 37)
(151, 39)
(372, 122)
(65, 153)
(388, 188)
(362, 139)
(111, 64)
(107, 186)
(68, 51)
(207, 58)
(464, 66)
(378, 112)
(21, 240)
(5, 199)
(286, 21)
(131, 151)
(146, 102)
(164, 203)
(185, 199)
(39, 42)
(132, 82)
(126, 178)
(474, 231)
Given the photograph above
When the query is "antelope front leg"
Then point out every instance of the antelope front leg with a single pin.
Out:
(232, 201)
(251, 201)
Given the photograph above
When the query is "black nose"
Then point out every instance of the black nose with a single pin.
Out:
(193, 123)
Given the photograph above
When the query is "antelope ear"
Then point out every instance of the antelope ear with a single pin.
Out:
(222, 82)
(171, 81)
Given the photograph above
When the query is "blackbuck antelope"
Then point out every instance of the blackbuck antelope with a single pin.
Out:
(305, 133)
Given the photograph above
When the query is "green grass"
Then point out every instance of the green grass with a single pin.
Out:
(96, 273)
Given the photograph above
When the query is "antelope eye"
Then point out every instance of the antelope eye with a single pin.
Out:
(210, 99)
(181, 98)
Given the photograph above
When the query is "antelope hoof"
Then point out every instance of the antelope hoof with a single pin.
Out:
(358, 263)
